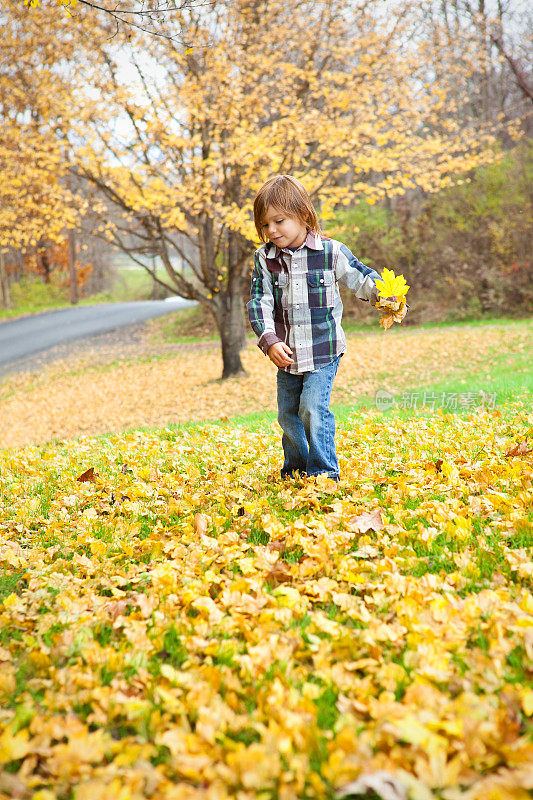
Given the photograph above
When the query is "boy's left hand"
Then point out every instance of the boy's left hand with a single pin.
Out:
(388, 302)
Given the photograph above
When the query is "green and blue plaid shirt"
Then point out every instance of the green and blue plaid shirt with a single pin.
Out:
(295, 299)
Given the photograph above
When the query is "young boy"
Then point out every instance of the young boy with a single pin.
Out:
(295, 309)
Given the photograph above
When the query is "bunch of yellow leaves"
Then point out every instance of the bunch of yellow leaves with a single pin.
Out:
(391, 298)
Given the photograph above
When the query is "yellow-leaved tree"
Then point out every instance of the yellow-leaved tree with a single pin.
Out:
(36, 202)
(339, 94)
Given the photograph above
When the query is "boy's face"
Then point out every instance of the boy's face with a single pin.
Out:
(282, 230)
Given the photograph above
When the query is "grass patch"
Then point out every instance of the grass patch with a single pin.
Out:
(185, 325)
(508, 376)
(32, 296)
(11, 582)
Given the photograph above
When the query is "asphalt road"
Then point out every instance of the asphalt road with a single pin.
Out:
(36, 333)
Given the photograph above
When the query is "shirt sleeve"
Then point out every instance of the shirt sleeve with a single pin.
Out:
(261, 305)
(356, 276)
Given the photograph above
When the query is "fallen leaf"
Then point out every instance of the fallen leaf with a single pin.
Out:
(89, 475)
(384, 784)
(527, 701)
(201, 523)
(115, 609)
(369, 520)
(13, 747)
(520, 449)
(279, 573)
(129, 394)
(204, 627)
(365, 551)
(12, 786)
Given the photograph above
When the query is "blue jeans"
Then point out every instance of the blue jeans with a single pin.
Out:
(307, 423)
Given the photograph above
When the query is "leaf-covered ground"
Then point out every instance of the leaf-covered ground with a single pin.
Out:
(90, 395)
(186, 625)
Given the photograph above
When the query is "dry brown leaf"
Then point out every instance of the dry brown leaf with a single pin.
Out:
(391, 312)
(89, 475)
(386, 320)
(115, 609)
(347, 705)
(520, 449)
(279, 573)
(389, 303)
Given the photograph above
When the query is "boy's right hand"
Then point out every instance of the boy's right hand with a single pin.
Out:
(279, 354)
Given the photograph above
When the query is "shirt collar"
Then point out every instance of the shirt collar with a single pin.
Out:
(312, 241)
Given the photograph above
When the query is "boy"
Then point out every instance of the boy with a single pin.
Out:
(295, 309)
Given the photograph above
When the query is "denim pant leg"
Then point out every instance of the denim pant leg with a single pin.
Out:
(295, 448)
(319, 421)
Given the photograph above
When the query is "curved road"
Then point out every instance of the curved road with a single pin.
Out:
(32, 334)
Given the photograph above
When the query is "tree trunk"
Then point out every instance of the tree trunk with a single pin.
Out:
(229, 316)
(44, 265)
(5, 296)
(73, 272)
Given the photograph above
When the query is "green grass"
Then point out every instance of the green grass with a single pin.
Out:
(132, 284)
(32, 296)
(511, 374)
(185, 325)
(10, 582)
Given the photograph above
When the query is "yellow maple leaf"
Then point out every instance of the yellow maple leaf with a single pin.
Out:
(13, 746)
(392, 285)
(391, 298)
(527, 701)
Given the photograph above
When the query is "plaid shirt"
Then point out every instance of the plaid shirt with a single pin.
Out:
(295, 298)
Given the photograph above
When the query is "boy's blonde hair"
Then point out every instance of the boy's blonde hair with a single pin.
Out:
(289, 195)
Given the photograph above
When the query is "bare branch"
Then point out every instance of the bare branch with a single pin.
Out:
(497, 40)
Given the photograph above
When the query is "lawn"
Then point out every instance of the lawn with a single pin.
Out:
(32, 296)
(177, 622)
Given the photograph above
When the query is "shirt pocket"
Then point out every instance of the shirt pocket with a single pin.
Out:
(280, 286)
(321, 288)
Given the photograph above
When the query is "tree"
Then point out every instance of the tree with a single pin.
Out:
(149, 16)
(36, 203)
(493, 38)
(491, 28)
(332, 92)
